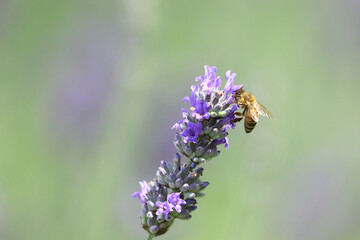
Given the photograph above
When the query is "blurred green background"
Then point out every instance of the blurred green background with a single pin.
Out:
(90, 89)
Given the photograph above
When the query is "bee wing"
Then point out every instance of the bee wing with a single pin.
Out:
(252, 113)
(263, 111)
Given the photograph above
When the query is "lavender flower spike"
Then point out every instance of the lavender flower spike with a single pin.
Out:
(202, 129)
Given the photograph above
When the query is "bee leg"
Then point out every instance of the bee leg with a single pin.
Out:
(241, 116)
(237, 120)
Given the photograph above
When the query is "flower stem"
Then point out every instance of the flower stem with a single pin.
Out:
(150, 236)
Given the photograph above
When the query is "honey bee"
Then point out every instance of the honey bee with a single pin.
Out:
(252, 109)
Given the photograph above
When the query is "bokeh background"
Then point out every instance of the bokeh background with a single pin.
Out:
(90, 89)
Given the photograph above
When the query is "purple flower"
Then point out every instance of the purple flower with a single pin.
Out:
(229, 86)
(163, 208)
(175, 201)
(145, 188)
(209, 82)
(192, 98)
(226, 143)
(201, 110)
(178, 124)
(221, 141)
(200, 131)
(192, 131)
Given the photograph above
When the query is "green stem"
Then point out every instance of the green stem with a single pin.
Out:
(150, 236)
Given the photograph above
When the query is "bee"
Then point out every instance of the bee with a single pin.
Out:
(252, 109)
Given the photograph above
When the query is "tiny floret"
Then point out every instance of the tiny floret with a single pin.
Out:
(163, 208)
(175, 201)
(192, 132)
(144, 190)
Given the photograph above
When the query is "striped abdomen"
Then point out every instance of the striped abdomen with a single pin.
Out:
(251, 119)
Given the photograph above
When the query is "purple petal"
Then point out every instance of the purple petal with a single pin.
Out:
(135, 194)
(178, 208)
(145, 188)
(209, 82)
(192, 98)
(163, 208)
(219, 141)
(192, 131)
(230, 82)
(201, 110)
(226, 143)
(217, 82)
(186, 99)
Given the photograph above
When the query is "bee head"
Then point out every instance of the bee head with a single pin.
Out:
(238, 93)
